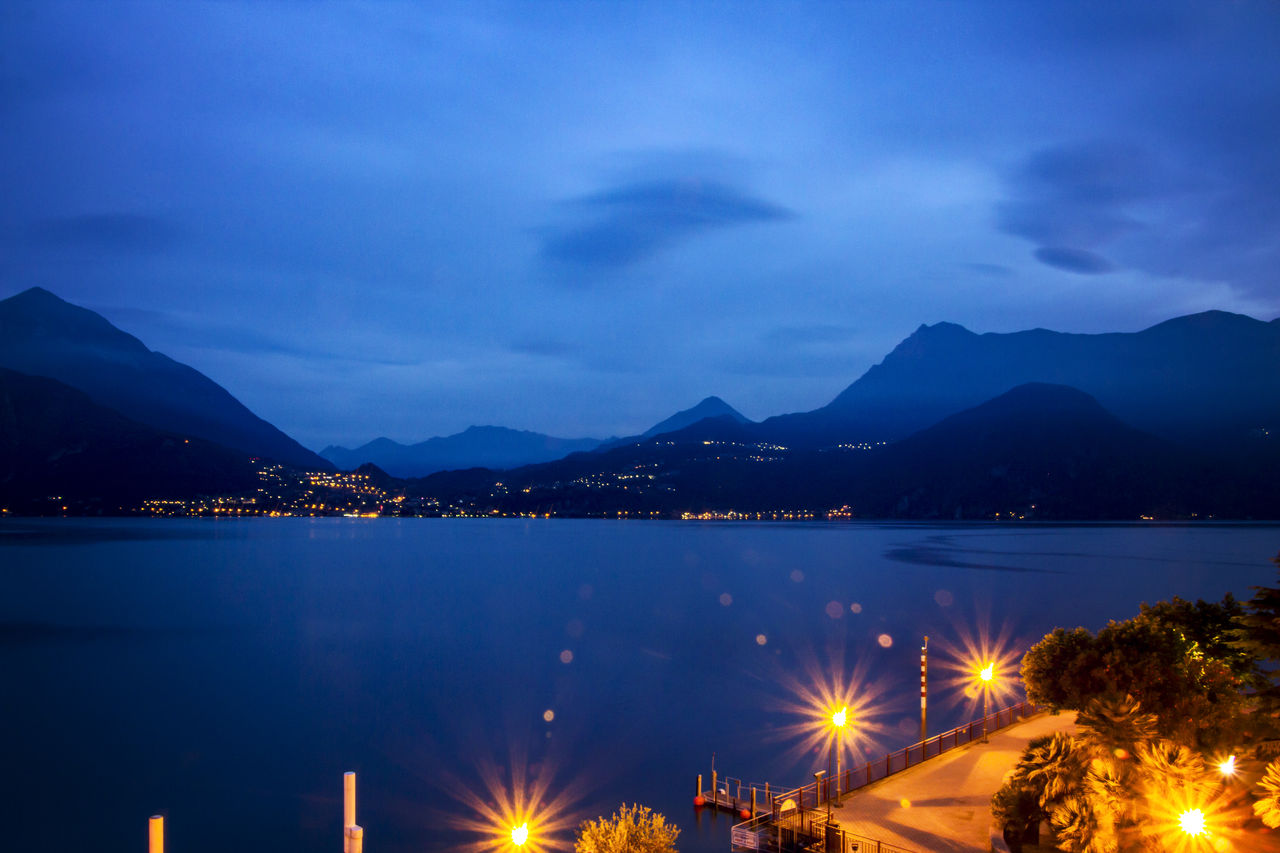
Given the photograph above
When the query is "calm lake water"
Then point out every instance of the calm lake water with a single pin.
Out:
(226, 673)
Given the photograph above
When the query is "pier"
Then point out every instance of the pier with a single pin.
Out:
(813, 817)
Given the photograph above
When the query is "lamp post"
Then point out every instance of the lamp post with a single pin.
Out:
(817, 787)
(838, 719)
(987, 674)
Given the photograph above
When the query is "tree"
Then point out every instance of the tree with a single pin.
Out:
(631, 829)
(1175, 658)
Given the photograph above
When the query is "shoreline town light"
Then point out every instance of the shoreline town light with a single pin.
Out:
(1228, 767)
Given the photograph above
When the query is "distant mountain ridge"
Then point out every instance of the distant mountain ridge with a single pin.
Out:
(475, 447)
(1203, 377)
(500, 448)
(43, 335)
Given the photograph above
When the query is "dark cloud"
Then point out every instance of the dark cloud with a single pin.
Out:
(1073, 260)
(1076, 194)
(626, 224)
(124, 232)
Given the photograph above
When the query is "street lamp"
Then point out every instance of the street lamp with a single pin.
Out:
(838, 719)
(986, 674)
(520, 834)
(1192, 822)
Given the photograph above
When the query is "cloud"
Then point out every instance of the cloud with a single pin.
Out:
(124, 232)
(1073, 260)
(1076, 195)
(623, 225)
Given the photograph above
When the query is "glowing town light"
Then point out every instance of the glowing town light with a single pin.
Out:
(1192, 822)
(520, 834)
(839, 717)
(988, 672)
(1228, 767)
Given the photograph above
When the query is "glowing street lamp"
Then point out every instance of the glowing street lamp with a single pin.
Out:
(520, 834)
(1228, 767)
(987, 673)
(838, 719)
(1192, 822)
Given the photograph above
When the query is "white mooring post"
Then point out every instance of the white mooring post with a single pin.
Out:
(355, 839)
(156, 834)
(348, 809)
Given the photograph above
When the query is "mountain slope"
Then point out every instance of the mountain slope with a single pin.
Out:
(1207, 377)
(710, 407)
(1047, 451)
(475, 447)
(56, 442)
(42, 335)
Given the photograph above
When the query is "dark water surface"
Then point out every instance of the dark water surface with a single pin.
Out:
(226, 673)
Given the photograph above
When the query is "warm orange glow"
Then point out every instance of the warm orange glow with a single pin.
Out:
(1228, 767)
(834, 711)
(516, 808)
(1192, 822)
(977, 665)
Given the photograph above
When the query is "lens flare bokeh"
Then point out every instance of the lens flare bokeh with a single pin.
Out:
(517, 807)
(831, 708)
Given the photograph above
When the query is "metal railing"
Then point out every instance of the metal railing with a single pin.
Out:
(791, 822)
(815, 793)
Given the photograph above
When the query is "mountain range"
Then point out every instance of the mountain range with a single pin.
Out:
(499, 447)
(1209, 377)
(1176, 420)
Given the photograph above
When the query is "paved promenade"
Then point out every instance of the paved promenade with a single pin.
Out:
(944, 804)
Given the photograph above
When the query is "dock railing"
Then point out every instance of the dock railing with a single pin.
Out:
(794, 821)
(815, 793)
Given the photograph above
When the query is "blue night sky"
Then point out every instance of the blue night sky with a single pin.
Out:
(576, 218)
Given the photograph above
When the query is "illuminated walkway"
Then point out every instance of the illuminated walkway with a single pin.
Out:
(944, 804)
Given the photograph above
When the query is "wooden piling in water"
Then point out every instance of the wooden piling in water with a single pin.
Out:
(354, 836)
(753, 802)
(348, 809)
(155, 834)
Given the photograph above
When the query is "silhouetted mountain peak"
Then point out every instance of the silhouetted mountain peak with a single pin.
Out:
(709, 407)
(43, 335)
(36, 314)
